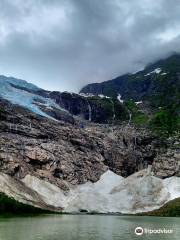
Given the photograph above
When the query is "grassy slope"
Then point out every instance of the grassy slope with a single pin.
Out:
(170, 209)
(10, 206)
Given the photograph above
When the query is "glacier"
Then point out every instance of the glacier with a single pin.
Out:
(25, 98)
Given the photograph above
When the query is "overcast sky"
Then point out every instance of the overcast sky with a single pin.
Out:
(65, 44)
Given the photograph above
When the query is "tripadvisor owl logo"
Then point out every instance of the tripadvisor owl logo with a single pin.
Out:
(139, 231)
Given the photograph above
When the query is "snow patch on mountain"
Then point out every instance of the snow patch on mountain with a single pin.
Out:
(137, 103)
(86, 95)
(102, 96)
(157, 71)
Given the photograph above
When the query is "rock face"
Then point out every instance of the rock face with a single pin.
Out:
(167, 163)
(55, 164)
(74, 103)
(60, 152)
(93, 108)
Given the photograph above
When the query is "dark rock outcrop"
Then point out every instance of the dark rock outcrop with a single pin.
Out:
(73, 103)
(96, 109)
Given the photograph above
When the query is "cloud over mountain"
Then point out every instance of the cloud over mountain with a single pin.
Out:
(66, 44)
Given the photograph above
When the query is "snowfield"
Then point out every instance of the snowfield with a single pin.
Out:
(157, 71)
(139, 192)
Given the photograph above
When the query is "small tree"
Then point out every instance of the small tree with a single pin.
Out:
(164, 122)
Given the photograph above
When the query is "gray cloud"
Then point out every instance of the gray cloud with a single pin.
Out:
(65, 44)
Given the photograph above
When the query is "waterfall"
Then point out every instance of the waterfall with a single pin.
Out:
(113, 109)
(130, 116)
(119, 98)
(89, 112)
(135, 142)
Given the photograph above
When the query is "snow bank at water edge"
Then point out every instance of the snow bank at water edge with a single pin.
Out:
(140, 192)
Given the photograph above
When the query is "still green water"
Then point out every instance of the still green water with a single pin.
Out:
(85, 227)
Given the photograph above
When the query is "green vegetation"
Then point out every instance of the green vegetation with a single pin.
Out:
(170, 209)
(139, 118)
(132, 107)
(160, 90)
(109, 91)
(121, 112)
(165, 122)
(103, 106)
(105, 109)
(10, 206)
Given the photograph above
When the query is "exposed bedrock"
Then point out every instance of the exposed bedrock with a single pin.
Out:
(69, 157)
(63, 153)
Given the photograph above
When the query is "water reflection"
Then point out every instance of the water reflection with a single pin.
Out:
(85, 227)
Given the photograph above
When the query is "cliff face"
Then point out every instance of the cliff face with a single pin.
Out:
(60, 152)
(55, 165)
(64, 153)
(99, 109)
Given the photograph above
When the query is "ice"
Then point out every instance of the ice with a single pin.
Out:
(25, 98)
(139, 192)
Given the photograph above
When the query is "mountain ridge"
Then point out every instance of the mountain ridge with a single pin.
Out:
(58, 105)
(146, 76)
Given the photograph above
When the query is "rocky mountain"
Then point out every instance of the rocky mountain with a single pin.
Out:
(98, 109)
(61, 105)
(87, 152)
(143, 85)
(156, 91)
(30, 142)
(47, 163)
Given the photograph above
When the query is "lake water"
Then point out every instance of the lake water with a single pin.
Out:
(85, 227)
